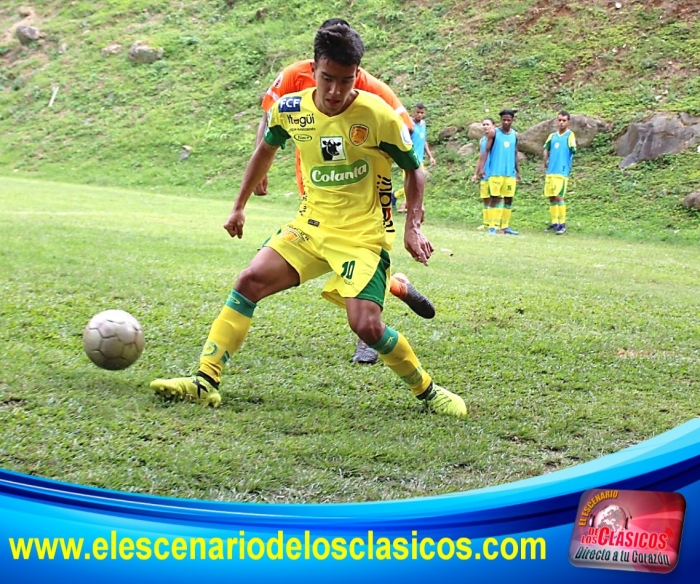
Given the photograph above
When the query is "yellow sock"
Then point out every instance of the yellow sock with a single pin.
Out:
(562, 212)
(394, 350)
(554, 213)
(496, 213)
(486, 211)
(505, 216)
(227, 333)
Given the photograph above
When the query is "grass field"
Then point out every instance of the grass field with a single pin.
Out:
(564, 348)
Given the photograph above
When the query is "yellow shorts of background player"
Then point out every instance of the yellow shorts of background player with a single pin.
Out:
(484, 189)
(502, 186)
(358, 271)
(555, 185)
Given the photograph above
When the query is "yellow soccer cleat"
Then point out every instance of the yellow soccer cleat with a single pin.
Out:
(194, 389)
(445, 402)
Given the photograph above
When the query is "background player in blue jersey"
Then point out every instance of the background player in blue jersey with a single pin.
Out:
(487, 125)
(501, 150)
(558, 154)
(419, 136)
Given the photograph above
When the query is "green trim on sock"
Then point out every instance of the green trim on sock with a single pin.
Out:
(388, 341)
(241, 304)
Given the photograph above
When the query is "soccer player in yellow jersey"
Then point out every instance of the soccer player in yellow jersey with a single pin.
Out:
(346, 138)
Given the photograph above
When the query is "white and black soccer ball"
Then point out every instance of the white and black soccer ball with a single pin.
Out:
(113, 339)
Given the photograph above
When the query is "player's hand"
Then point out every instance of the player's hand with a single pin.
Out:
(234, 224)
(432, 161)
(518, 177)
(475, 178)
(261, 188)
(418, 245)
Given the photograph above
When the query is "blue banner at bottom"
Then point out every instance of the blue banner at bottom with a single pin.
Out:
(521, 531)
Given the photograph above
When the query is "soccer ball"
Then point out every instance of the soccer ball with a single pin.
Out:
(113, 339)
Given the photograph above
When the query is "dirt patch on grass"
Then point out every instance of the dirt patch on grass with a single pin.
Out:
(28, 18)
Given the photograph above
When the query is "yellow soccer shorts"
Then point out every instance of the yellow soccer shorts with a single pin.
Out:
(357, 272)
(484, 189)
(555, 185)
(502, 186)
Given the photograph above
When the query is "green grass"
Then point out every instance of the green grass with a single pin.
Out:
(114, 123)
(565, 349)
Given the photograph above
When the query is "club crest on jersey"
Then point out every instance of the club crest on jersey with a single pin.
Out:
(358, 134)
(506, 144)
(289, 103)
(332, 148)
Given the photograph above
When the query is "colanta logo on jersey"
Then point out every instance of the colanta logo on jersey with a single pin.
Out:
(339, 175)
(332, 148)
(289, 103)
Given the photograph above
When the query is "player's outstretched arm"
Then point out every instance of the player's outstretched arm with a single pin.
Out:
(414, 241)
(259, 164)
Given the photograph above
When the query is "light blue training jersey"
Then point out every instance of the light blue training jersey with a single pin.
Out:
(482, 147)
(503, 153)
(562, 148)
(419, 136)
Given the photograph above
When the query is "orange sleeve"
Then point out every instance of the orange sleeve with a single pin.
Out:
(368, 82)
(293, 78)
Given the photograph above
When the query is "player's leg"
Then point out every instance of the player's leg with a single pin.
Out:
(549, 192)
(485, 209)
(401, 287)
(267, 274)
(288, 258)
(561, 205)
(508, 192)
(363, 295)
(495, 203)
(364, 318)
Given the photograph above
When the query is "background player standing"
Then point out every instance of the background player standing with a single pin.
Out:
(558, 154)
(502, 150)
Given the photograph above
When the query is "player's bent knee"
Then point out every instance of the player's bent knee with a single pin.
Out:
(253, 284)
(369, 328)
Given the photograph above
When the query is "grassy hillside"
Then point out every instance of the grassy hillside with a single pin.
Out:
(116, 123)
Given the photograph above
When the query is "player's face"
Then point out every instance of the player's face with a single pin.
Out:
(487, 126)
(334, 83)
(506, 122)
(562, 123)
(419, 114)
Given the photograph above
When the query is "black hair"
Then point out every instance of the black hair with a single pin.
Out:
(333, 21)
(507, 112)
(419, 106)
(565, 113)
(490, 120)
(339, 43)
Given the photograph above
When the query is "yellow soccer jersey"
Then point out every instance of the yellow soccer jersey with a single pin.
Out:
(345, 162)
